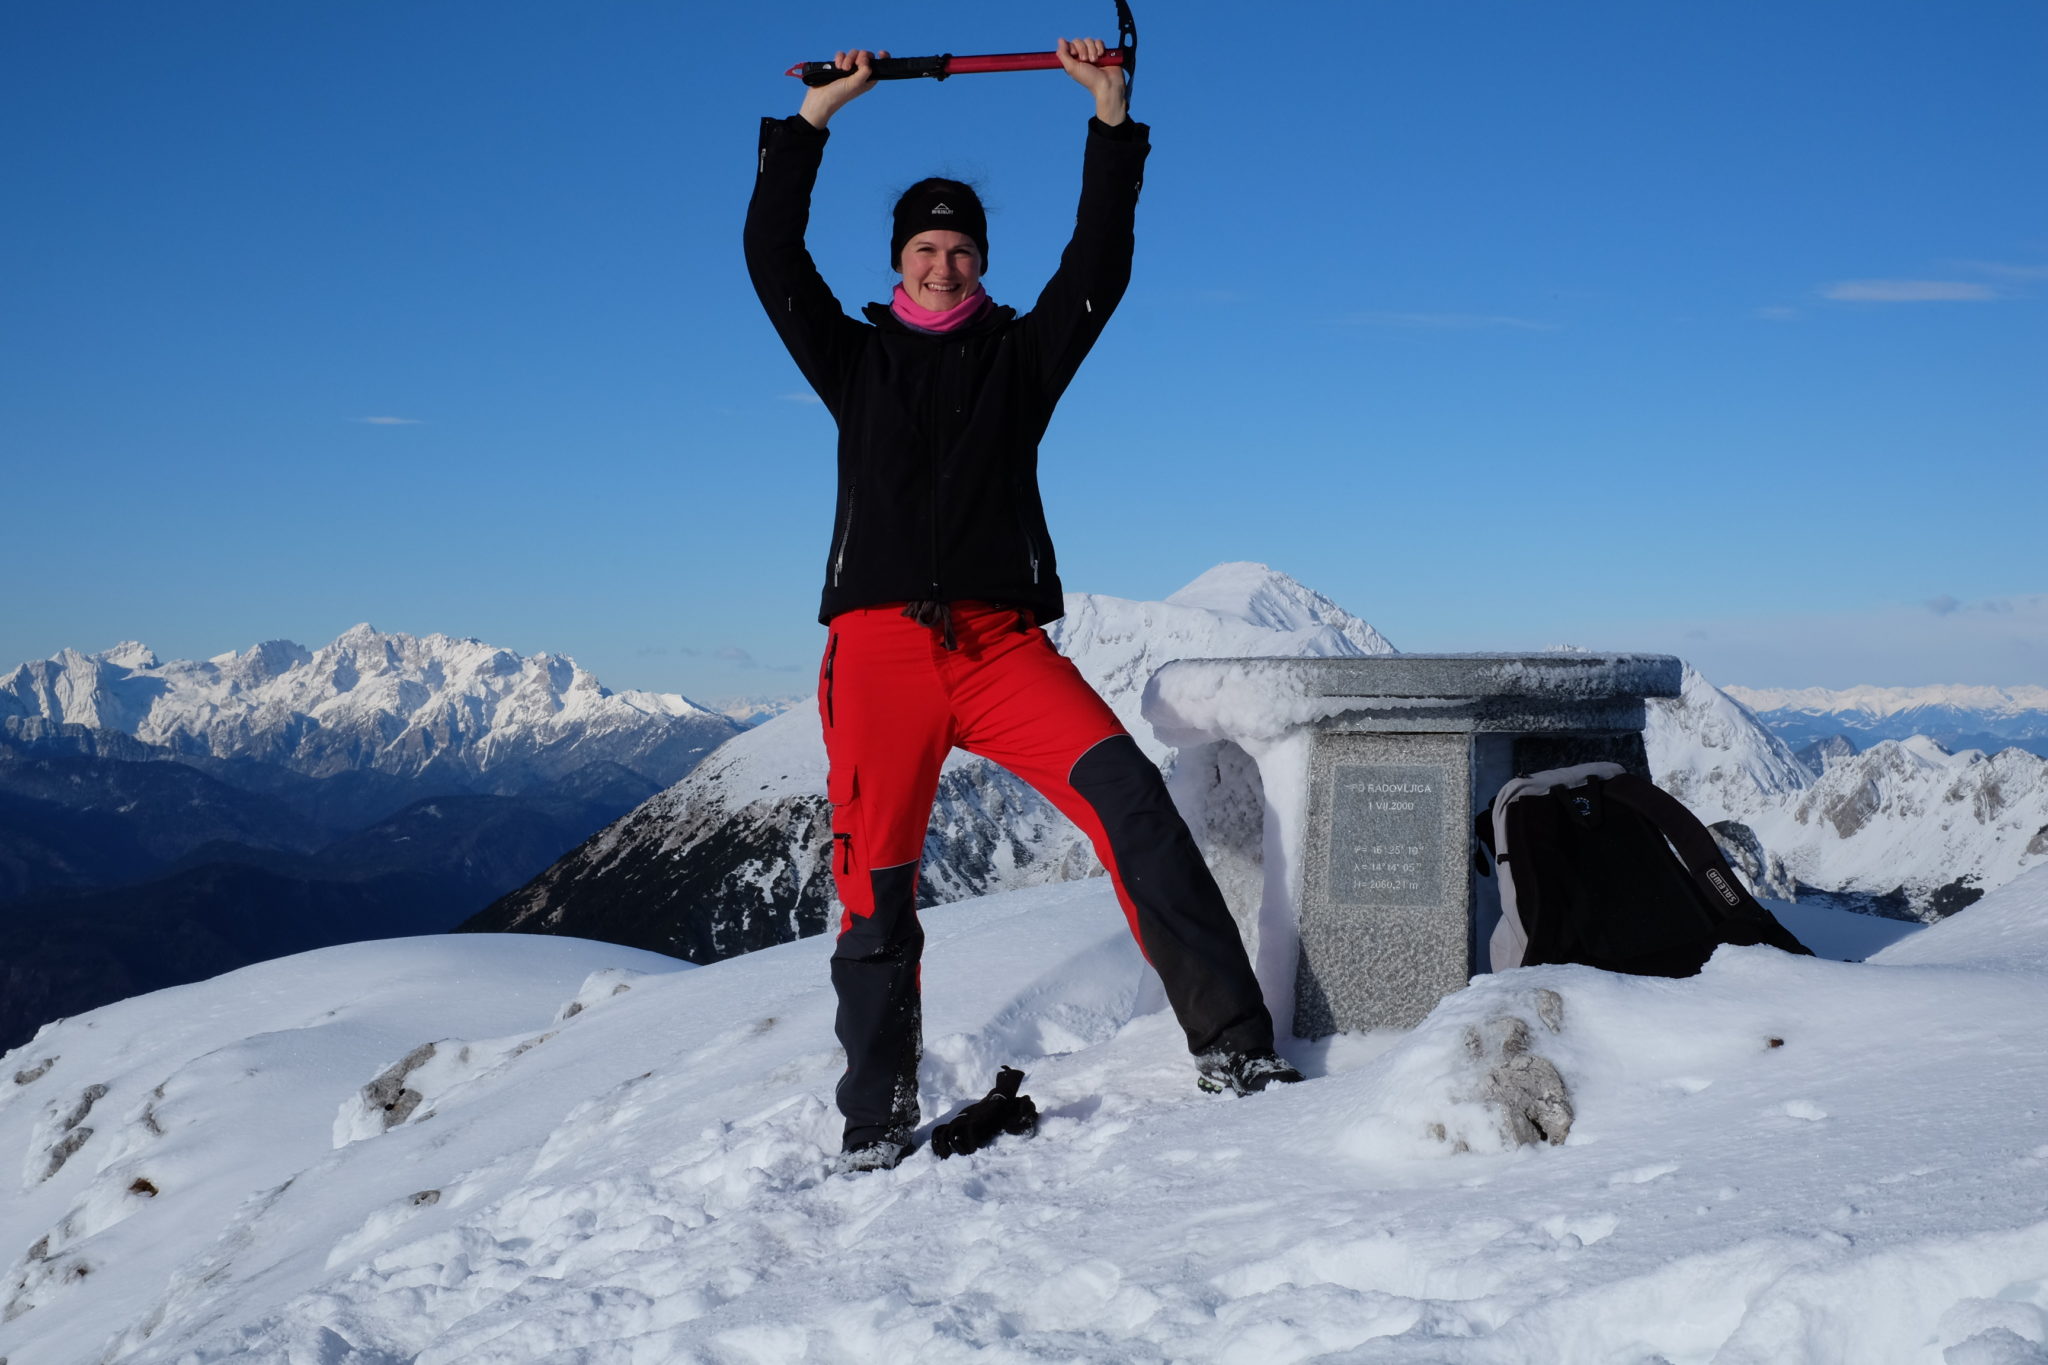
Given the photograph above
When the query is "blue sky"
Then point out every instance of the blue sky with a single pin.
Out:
(1712, 329)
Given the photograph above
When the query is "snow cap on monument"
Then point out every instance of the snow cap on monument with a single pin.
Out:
(934, 204)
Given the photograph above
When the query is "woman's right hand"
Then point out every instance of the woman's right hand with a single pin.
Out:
(821, 102)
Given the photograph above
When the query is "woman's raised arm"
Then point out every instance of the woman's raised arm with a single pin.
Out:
(1106, 83)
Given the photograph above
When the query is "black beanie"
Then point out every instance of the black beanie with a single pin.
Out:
(936, 204)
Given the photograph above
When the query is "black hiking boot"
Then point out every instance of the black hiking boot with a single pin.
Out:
(1243, 1073)
(875, 1154)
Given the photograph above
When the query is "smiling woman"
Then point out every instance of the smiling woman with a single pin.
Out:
(941, 266)
(939, 577)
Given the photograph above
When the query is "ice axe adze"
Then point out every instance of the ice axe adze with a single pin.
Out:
(947, 64)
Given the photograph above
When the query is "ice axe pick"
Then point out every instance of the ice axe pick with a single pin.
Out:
(947, 64)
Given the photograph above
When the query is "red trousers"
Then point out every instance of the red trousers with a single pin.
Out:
(895, 701)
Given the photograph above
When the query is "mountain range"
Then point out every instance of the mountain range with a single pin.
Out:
(735, 857)
(421, 707)
(1955, 717)
(161, 822)
(1904, 828)
(165, 821)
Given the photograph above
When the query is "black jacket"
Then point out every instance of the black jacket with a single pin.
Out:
(938, 435)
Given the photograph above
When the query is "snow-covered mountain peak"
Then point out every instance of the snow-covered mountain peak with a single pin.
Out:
(1234, 611)
(1706, 749)
(129, 654)
(361, 635)
(258, 663)
(1263, 596)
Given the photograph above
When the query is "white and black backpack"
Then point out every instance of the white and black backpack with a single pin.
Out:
(1602, 867)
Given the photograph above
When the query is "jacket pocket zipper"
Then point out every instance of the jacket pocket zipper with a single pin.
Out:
(845, 534)
(1030, 545)
(831, 652)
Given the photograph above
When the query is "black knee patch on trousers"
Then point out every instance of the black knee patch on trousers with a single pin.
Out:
(1183, 924)
(880, 1023)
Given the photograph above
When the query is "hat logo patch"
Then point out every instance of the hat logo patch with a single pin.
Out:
(938, 209)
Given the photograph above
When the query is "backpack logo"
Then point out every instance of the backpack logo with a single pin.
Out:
(1720, 885)
(942, 208)
(1582, 805)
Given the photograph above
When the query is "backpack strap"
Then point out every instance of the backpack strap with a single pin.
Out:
(1740, 914)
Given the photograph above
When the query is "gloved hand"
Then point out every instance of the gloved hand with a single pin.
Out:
(1000, 1111)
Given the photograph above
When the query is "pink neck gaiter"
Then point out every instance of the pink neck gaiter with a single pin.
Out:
(915, 314)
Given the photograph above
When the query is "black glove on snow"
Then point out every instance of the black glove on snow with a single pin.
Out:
(1001, 1111)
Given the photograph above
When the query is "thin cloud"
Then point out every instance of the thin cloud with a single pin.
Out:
(1447, 322)
(1996, 640)
(1943, 605)
(1778, 313)
(2003, 271)
(1908, 291)
(389, 421)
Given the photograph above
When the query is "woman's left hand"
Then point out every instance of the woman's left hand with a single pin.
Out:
(1106, 83)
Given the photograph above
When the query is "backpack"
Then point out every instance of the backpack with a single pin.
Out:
(1601, 867)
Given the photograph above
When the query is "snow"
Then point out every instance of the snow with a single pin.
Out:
(1907, 812)
(642, 1178)
(1901, 815)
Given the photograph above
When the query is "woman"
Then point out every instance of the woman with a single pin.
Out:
(939, 575)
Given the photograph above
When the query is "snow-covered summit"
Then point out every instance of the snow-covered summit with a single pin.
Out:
(1708, 750)
(396, 703)
(1232, 611)
(1271, 600)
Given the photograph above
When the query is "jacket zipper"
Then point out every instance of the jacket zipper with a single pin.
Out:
(945, 388)
(845, 534)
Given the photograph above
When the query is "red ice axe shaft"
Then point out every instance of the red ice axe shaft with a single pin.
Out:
(1125, 55)
(940, 67)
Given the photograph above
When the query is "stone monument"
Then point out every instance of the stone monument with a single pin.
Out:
(1335, 800)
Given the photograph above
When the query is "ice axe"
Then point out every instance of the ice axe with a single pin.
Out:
(947, 64)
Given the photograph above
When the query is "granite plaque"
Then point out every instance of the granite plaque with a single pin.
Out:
(1382, 922)
(1384, 843)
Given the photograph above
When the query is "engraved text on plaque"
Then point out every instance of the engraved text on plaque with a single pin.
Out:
(1386, 834)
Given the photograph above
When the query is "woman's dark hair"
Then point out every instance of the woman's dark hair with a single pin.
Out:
(935, 203)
